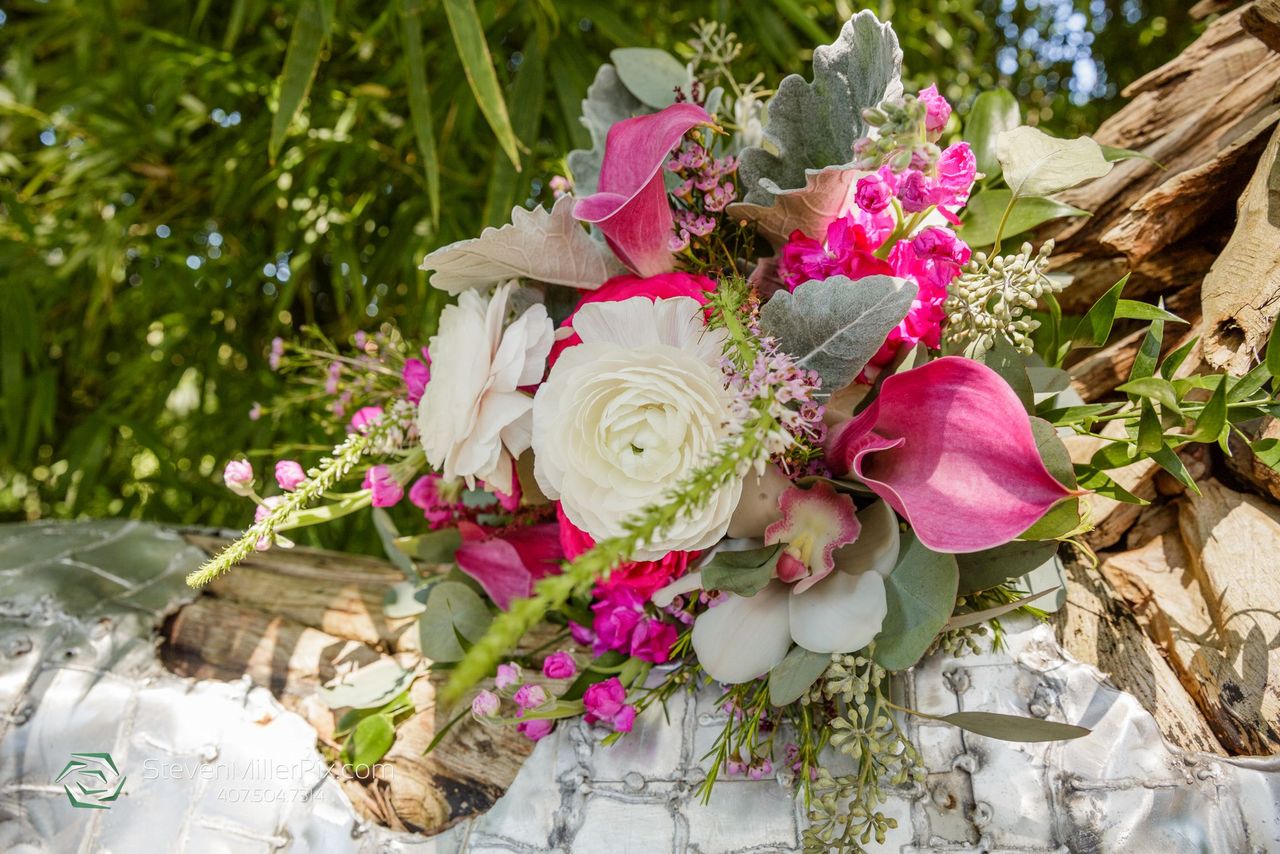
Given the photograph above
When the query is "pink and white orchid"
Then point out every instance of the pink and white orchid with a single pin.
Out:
(631, 206)
(814, 522)
(744, 637)
(949, 446)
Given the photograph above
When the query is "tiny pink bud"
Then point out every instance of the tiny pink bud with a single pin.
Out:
(508, 675)
(559, 665)
(530, 697)
(485, 704)
(289, 475)
(238, 476)
(535, 730)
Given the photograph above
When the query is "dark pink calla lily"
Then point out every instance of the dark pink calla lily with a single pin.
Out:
(949, 446)
(631, 206)
(508, 563)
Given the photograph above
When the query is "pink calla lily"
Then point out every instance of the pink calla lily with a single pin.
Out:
(949, 446)
(631, 206)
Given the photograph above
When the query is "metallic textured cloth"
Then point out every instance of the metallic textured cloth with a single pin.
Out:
(221, 767)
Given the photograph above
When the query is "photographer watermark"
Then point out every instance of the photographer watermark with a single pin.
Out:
(262, 780)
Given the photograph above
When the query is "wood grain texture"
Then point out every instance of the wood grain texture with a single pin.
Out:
(290, 620)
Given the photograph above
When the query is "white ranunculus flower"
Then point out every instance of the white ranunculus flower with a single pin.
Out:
(472, 419)
(628, 413)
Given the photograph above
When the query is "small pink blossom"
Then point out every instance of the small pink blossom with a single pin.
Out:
(846, 251)
(289, 475)
(255, 412)
(387, 491)
(530, 697)
(937, 109)
(416, 374)
(652, 641)
(508, 675)
(365, 418)
(606, 702)
(915, 192)
(957, 170)
(277, 353)
(873, 193)
(581, 634)
(616, 617)
(331, 378)
(485, 704)
(238, 476)
(427, 495)
(559, 665)
(760, 769)
(535, 730)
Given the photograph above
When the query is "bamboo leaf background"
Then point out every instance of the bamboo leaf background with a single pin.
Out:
(180, 183)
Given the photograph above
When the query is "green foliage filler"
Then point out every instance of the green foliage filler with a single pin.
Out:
(182, 182)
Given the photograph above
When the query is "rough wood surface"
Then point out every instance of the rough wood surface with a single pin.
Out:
(1240, 297)
(1256, 474)
(1203, 152)
(1262, 20)
(290, 621)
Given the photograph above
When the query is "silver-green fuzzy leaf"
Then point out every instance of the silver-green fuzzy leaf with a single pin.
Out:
(814, 125)
(836, 325)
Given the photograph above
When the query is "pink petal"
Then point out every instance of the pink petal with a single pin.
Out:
(631, 206)
(814, 522)
(507, 565)
(949, 446)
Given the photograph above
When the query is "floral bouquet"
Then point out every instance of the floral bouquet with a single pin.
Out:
(765, 400)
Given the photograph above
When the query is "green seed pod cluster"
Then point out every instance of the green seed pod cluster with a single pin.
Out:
(992, 295)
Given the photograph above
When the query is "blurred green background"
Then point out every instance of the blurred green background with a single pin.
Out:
(162, 219)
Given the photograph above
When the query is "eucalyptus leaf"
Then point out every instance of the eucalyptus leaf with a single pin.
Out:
(1012, 368)
(814, 125)
(1036, 164)
(1012, 727)
(921, 594)
(994, 112)
(371, 686)
(369, 741)
(986, 569)
(795, 675)
(836, 325)
(983, 213)
(435, 547)
(976, 618)
(1064, 517)
(402, 600)
(650, 74)
(453, 611)
(546, 246)
(742, 572)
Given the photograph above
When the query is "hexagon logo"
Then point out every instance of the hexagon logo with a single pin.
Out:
(91, 781)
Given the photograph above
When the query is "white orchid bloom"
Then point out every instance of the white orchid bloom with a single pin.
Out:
(745, 637)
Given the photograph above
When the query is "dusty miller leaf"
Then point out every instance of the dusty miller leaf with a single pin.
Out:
(826, 195)
(814, 125)
(545, 246)
(1036, 164)
(835, 326)
(608, 100)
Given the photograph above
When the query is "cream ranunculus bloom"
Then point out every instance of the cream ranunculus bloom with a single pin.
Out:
(472, 419)
(628, 413)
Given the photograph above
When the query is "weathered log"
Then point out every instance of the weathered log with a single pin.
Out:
(1241, 295)
(1203, 151)
(1097, 627)
(1262, 20)
(1232, 544)
(291, 620)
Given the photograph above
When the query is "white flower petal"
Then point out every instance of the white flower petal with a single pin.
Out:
(686, 583)
(841, 613)
(876, 549)
(758, 508)
(744, 638)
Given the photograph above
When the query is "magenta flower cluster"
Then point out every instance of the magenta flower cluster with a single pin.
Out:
(620, 624)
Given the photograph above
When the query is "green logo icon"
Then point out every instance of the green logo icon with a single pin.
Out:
(92, 781)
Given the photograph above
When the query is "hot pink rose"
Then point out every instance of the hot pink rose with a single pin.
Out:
(535, 730)
(652, 641)
(643, 578)
(662, 286)
(559, 665)
(607, 702)
(848, 250)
